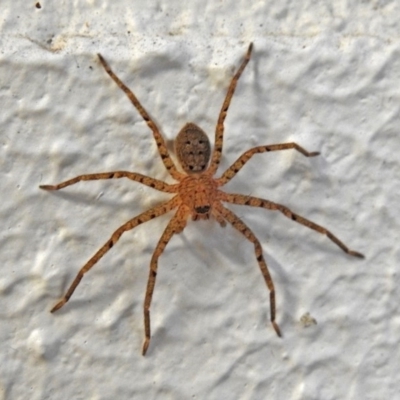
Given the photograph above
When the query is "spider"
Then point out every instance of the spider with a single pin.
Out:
(197, 194)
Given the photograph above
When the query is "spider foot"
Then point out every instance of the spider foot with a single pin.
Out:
(58, 305)
(277, 329)
(314, 153)
(356, 254)
(145, 346)
(48, 187)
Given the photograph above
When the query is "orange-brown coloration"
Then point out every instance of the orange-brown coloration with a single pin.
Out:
(197, 195)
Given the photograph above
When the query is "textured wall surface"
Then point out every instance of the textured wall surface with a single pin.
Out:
(324, 76)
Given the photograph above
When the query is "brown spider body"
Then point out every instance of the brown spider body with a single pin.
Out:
(198, 190)
(193, 149)
(197, 194)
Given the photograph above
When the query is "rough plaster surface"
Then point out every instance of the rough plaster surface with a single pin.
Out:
(324, 75)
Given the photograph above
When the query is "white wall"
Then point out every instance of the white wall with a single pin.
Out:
(325, 76)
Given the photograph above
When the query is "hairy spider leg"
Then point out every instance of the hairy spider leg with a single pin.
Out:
(133, 223)
(162, 148)
(238, 224)
(269, 205)
(176, 225)
(145, 180)
(242, 160)
(219, 131)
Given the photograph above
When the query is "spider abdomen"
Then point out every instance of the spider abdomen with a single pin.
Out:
(193, 149)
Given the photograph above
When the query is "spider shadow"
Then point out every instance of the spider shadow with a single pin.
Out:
(98, 199)
(244, 263)
(296, 244)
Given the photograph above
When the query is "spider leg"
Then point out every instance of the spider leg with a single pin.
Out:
(242, 160)
(140, 219)
(269, 205)
(162, 148)
(238, 224)
(176, 225)
(220, 219)
(146, 180)
(219, 132)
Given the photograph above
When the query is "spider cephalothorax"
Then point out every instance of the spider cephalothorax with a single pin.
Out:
(197, 194)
